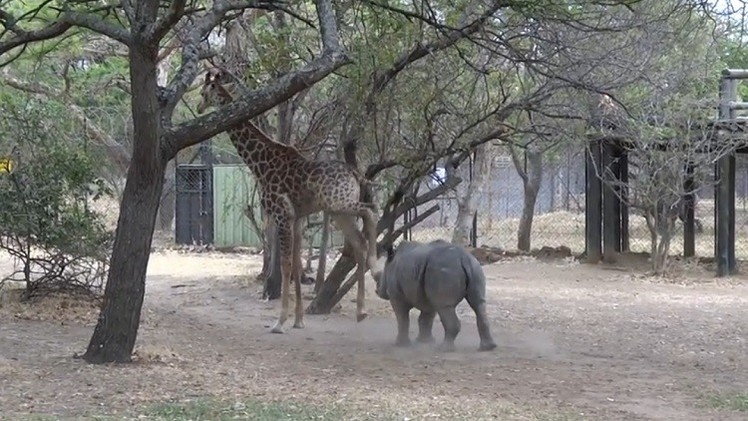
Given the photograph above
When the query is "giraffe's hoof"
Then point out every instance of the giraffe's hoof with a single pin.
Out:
(298, 325)
(361, 316)
(277, 329)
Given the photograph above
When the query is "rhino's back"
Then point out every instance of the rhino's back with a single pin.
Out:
(405, 274)
(446, 276)
(430, 275)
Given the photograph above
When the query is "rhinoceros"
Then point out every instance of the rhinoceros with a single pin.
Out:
(433, 277)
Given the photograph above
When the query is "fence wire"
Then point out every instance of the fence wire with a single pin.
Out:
(558, 217)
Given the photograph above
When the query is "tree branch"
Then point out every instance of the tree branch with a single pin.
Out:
(98, 25)
(163, 25)
(378, 167)
(517, 165)
(191, 55)
(380, 80)
(116, 151)
(393, 236)
(22, 38)
(257, 101)
(411, 202)
(67, 20)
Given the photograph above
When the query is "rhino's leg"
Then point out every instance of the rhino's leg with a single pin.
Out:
(484, 331)
(451, 324)
(425, 324)
(478, 304)
(402, 313)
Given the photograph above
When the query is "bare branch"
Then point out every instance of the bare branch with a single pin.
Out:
(191, 53)
(22, 38)
(422, 215)
(67, 19)
(115, 150)
(381, 79)
(159, 29)
(262, 99)
(97, 24)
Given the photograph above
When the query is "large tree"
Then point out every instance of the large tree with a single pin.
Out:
(142, 27)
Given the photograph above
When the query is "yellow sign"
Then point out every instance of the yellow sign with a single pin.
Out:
(6, 165)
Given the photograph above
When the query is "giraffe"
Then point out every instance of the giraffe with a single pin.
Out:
(292, 187)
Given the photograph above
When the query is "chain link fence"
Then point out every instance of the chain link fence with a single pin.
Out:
(559, 211)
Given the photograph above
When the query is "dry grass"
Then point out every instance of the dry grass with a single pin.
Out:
(567, 229)
(156, 353)
(7, 368)
(553, 229)
(52, 308)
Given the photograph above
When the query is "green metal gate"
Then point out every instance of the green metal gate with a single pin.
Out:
(233, 190)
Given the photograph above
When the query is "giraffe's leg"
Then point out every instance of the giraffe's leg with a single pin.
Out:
(370, 230)
(268, 227)
(369, 236)
(285, 234)
(297, 274)
(347, 224)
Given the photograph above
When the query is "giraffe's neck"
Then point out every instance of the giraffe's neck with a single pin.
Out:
(258, 150)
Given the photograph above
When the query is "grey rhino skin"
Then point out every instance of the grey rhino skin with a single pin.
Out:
(434, 277)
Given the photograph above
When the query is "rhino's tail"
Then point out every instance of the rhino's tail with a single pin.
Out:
(476, 281)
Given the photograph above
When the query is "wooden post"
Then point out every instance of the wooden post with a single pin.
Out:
(731, 263)
(723, 217)
(474, 231)
(623, 175)
(474, 226)
(593, 203)
(611, 202)
(689, 222)
(724, 193)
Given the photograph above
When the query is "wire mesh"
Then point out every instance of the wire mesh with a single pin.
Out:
(558, 216)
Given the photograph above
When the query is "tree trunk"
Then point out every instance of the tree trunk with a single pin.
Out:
(267, 260)
(167, 203)
(652, 227)
(331, 291)
(524, 232)
(468, 203)
(659, 263)
(531, 173)
(552, 189)
(116, 331)
(567, 185)
(324, 301)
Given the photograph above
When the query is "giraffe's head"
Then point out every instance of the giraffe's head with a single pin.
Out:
(213, 92)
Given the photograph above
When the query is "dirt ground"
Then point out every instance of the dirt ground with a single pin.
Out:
(575, 342)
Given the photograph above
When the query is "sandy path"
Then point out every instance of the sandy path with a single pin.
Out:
(574, 340)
